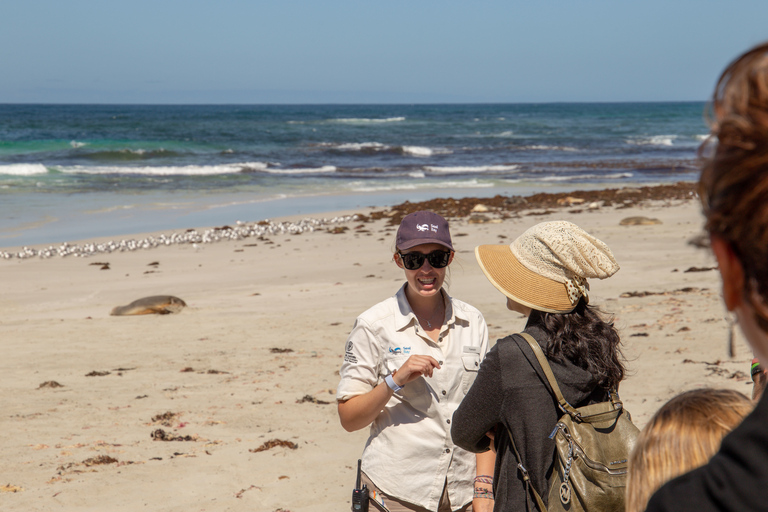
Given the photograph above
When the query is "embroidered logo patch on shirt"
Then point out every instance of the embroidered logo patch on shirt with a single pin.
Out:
(348, 355)
(397, 351)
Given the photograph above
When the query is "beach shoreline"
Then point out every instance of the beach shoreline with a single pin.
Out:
(449, 206)
(242, 382)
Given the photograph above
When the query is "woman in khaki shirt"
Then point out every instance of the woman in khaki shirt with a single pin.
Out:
(409, 361)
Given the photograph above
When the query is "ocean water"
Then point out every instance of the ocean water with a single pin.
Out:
(73, 172)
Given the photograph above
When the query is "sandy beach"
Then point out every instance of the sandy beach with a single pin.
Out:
(229, 405)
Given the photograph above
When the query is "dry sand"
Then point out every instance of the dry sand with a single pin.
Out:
(253, 360)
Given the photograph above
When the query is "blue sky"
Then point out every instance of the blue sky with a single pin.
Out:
(337, 51)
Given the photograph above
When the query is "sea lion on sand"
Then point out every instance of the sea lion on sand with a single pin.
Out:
(639, 221)
(156, 304)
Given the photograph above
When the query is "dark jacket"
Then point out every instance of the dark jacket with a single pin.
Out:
(734, 480)
(512, 391)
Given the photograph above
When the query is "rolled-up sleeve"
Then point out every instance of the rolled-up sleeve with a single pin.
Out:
(480, 410)
(362, 358)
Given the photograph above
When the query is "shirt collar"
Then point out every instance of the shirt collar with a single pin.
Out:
(407, 317)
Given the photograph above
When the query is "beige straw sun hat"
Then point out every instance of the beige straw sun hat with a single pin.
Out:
(547, 267)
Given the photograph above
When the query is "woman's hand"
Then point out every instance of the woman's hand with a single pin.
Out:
(415, 367)
(359, 411)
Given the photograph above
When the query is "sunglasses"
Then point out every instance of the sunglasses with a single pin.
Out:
(414, 260)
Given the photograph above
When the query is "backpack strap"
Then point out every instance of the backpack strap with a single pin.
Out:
(526, 477)
(564, 405)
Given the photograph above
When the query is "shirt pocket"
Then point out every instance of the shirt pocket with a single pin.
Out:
(416, 393)
(471, 363)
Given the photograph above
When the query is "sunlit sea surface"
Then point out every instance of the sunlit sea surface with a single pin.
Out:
(73, 172)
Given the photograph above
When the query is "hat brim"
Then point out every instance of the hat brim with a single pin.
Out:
(410, 244)
(524, 286)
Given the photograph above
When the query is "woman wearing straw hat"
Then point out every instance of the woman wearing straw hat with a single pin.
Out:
(409, 362)
(543, 275)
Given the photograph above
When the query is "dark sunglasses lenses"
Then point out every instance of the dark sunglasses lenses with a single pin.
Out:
(414, 260)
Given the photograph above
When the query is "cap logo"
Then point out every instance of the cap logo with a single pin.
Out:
(426, 227)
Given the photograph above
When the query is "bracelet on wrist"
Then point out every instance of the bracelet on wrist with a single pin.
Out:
(485, 479)
(483, 493)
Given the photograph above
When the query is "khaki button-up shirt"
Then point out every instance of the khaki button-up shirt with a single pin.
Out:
(410, 454)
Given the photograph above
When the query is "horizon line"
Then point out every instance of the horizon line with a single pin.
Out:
(138, 104)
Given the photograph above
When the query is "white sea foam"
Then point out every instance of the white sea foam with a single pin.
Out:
(359, 146)
(252, 166)
(653, 140)
(361, 186)
(576, 177)
(187, 170)
(305, 170)
(76, 144)
(467, 169)
(364, 120)
(704, 136)
(379, 147)
(416, 174)
(544, 147)
(417, 151)
(23, 169)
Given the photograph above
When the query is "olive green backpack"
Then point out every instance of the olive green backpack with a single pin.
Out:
(593, 446)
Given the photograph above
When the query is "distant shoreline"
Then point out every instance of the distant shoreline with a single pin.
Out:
(497, 206)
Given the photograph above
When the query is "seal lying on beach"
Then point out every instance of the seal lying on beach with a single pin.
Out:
(156, 304)
(639, 221)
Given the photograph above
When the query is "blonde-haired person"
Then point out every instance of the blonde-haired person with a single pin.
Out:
(543, 275)
(408, 362)
(682, 435)
(734, 193)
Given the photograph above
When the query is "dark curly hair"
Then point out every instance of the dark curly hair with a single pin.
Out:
(586, 339)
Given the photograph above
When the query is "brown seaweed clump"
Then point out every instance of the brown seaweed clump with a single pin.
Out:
(274, 442)
(162, 435)
(50, 384)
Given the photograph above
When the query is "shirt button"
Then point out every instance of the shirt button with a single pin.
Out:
(440, 363)
(448, 421)
(477, 364)
(444, 392)
(447, 450)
